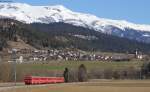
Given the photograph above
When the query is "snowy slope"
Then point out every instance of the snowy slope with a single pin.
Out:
(48, 14)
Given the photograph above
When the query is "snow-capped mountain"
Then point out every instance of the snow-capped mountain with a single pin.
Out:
(49, 14)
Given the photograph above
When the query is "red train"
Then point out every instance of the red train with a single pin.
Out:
(32, 80)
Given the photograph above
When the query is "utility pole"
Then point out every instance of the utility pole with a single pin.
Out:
(14, 64)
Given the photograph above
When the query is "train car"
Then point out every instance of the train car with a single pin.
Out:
(32, 80)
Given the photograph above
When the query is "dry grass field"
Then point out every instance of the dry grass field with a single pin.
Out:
(55, 68)
(92, 86)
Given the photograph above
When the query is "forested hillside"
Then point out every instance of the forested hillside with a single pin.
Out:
(61, 35)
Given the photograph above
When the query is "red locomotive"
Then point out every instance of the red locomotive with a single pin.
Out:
(31, 80)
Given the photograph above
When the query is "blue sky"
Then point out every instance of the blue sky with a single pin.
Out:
(136, 11)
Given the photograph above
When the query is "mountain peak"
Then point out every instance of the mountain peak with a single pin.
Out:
(59, 6)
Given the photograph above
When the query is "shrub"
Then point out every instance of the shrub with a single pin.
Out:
(116, 75)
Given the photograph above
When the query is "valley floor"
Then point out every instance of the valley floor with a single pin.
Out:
(91, 86)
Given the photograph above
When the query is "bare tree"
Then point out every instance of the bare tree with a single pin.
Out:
(82, 73)
(145, 70)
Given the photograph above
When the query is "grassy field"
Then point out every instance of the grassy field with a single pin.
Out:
(55, 65)
(56, 68)
(98, 86)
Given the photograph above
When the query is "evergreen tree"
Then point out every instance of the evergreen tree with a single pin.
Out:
(66, 75)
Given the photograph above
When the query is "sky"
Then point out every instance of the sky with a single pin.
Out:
(136, 11)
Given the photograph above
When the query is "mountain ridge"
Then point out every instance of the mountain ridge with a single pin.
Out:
(17, 6)
(49, 14)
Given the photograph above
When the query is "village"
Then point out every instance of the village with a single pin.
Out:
(30, 55)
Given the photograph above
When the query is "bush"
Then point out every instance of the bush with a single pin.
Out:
(116, 75)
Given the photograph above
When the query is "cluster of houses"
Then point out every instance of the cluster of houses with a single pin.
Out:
(24, 55)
